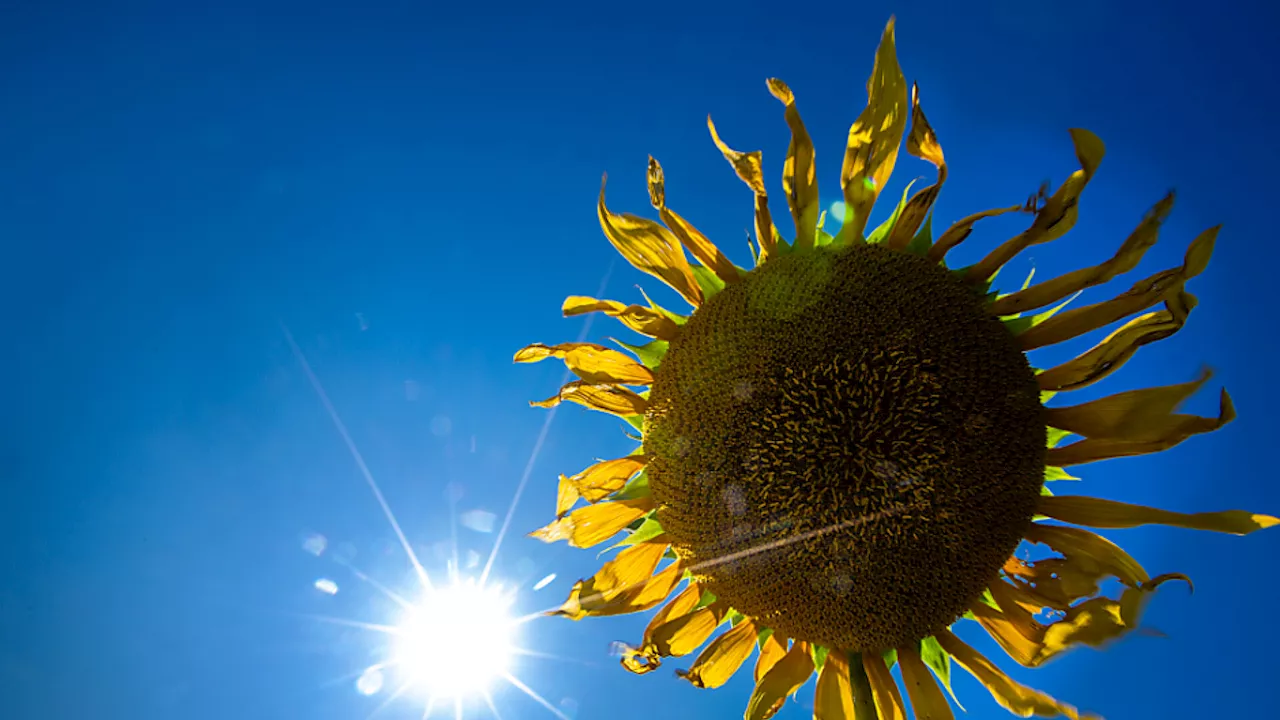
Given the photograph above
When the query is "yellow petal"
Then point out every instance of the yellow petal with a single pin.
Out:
(605, 478)
(1145, 293)
(631, 570)
(833, 698)
(1058, 214)
(773, 649)
(645, 658)
(593, 524)
(646, 321)
(748, 167)
(962, 228)
(874, 138)
(1073, 542)
(1014, 697)
(651, 248)
(722, 658)
(1008, 635)
(593, 363)
(927, 699)
(1098, 621)
(1176, 429)
(782, 679)
(700, 245)
(605, 398)
(1099, 513)
(682, 635)
(566, 496)
(799, 179)
(884, 690)
(922, 142)
(1107, 356)
(637, 598)
(1056, 582)
(1125, 259)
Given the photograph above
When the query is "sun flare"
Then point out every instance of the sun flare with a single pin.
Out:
(457, 640)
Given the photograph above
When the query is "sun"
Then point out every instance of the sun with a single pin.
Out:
(457, 640)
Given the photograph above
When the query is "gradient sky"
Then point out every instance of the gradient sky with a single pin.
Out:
(411, 191)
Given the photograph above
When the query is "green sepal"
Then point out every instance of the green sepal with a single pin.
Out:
(819, 655)
(1025, 284)
(1047, 395)
(755, 255)
(644, 529)
(1052, 474)
(635, 421)
(782, 247)
(1019, 324)
(707, 598)
(649, 354)
(1053, 436)
(1045, 491)
(989, 600)
(762, 636)
(890, 657)
(939, 661)
(923, 241)
(879, 234)
(707, 279)
(676, 318)
(636, 487)
(821, 237)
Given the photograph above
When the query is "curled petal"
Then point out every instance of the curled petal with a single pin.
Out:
(1125, 259)
(605, 478)
(1058, 214)
(700, 245)
(962, 228)
(1175, 430)
(1086, 547)
(566, 496)
(922, 142)
(884, 691)
(1098, 621)
(1159, 287)
(783, 678)
(1014, 697)
(722, 658)
(1136, 415)
(799, 179)
(1099, 513)
(645, 658)
(646, 321)
(748, 167)
(872, 150)
(1107, 356)
(632, 569)
(593, 363)
(651, 248)
(927, 699)
(593, 524)
(605, 398)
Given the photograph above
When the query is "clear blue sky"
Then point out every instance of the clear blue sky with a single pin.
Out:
(411, 190)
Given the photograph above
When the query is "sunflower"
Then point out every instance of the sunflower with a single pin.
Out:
(844, 450)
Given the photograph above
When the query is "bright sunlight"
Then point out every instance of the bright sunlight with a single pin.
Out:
(457, 640)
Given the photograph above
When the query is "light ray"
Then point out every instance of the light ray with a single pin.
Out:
(488, 698)
(388, 629)
(391, 594)
(428, 707)
(529, 691)
(549, 656)
(404, 687)
(537, 444)
(355, 453)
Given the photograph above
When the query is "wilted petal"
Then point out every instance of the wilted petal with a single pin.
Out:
(700, 245)
(631, 570)
(799, 179)
(782, 679)
(962, 228)
(605, 478)
(1175, 430)
(722, 658)
(1125, 259)
(748, 167)
(1058, 214)
(1073, 543)
(593, 363)
(1099, 513)
(872, 150)
(1159, 287)
(1107, 356)
(643, 320)
(922, 142)
(647, 658)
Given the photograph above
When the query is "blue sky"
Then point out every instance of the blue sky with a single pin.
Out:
(411, 191)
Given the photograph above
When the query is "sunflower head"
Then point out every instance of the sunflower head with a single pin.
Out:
(845, 447)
